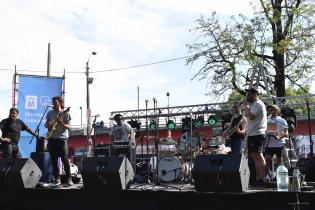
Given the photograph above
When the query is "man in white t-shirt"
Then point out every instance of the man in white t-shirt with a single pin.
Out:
(122, 132)
(277, 130)
(256, 129)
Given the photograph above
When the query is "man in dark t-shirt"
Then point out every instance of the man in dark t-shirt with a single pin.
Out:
(11, 128)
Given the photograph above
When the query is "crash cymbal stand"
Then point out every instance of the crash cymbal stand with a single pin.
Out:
(191, 156)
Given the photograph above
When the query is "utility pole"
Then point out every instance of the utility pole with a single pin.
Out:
(89, 81)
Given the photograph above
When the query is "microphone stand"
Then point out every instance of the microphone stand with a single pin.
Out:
(94, 136)
(38, 125)
(156, 141)
(147, 131)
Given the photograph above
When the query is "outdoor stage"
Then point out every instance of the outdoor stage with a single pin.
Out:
(152, 198)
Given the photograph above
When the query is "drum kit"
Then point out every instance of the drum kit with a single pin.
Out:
(175, 158)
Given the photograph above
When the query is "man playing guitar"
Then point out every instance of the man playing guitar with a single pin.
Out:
(277, 130)
(58, 120)
(236, 131)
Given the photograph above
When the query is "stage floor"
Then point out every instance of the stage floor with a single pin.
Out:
(152, 197)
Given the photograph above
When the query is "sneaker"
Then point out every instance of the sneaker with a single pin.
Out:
(57, 182)
(69, 182)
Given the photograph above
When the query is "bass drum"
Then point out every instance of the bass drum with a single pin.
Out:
(171, 168)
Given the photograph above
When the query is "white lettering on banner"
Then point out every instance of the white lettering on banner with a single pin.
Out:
(30, 102)
(30, 114)
(31, 120)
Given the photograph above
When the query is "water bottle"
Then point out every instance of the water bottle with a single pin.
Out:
(282, 178)
(296, 175)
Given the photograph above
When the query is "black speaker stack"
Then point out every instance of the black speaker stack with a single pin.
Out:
(221, 173)
(112, 173)
(19, 173)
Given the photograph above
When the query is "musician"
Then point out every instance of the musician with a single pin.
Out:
(277, 131)
(11, 128)
(58, 124)
(256, 129)
(236, 131)
(122, 132)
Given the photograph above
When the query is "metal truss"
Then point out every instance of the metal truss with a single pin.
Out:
(163, 114)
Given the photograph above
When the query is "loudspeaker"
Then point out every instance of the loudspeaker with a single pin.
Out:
(19, 173)
(307, 167)
(42, 159)
(221, 173)
(112, 173)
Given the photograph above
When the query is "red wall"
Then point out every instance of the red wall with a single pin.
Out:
(76, 142)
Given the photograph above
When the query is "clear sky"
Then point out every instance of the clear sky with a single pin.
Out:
(123, 33)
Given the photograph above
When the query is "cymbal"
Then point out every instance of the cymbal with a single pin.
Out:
(167, 141)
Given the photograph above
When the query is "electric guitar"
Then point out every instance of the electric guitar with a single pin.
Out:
(232, 129)
(51, 131)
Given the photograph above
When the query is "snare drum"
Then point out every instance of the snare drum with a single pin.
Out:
(171, 168)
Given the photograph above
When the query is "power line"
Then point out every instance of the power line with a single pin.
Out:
(142, 65)
(107, 70)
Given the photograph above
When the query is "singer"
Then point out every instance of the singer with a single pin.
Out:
(256, 129)
(58, 124)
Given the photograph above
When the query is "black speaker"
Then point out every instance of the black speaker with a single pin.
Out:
(43, 161)
(113, 173)
(221, 173)
(19, 173)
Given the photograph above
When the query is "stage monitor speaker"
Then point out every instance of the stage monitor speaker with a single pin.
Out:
(221, 173)
(19, 173)
(113, 173)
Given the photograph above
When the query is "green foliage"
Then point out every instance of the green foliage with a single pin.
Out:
(280, 34)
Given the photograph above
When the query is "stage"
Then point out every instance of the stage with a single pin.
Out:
(152, 197)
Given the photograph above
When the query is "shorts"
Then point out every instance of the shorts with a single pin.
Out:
(256, 143)
(274, 151)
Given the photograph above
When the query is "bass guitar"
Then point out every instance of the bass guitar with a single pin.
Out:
(51, 131)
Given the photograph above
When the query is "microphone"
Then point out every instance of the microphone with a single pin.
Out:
(97, 115)
(49, 106)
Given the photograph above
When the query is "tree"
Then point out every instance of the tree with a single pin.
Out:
(280, 35)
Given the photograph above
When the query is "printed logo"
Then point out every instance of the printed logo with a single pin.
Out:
(30, 102)
(45, 100)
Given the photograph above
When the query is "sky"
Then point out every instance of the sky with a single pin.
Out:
(123, 33)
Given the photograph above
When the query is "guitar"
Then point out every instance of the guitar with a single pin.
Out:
(51, 131)
(232, 129)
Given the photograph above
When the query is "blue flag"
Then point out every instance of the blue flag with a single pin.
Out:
(34, 96)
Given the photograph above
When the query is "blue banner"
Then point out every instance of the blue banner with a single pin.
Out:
(34, 96)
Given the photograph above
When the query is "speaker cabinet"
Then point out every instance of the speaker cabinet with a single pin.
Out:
(221, 173)
(19, 173)
(113, 173)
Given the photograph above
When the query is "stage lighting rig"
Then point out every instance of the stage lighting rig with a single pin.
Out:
(187, 124)
(199, 121)
(212, 120)
(153, 124)
(170, 124)
(136, 125)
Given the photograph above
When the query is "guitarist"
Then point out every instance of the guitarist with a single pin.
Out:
(236, 131)
(58, 120)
